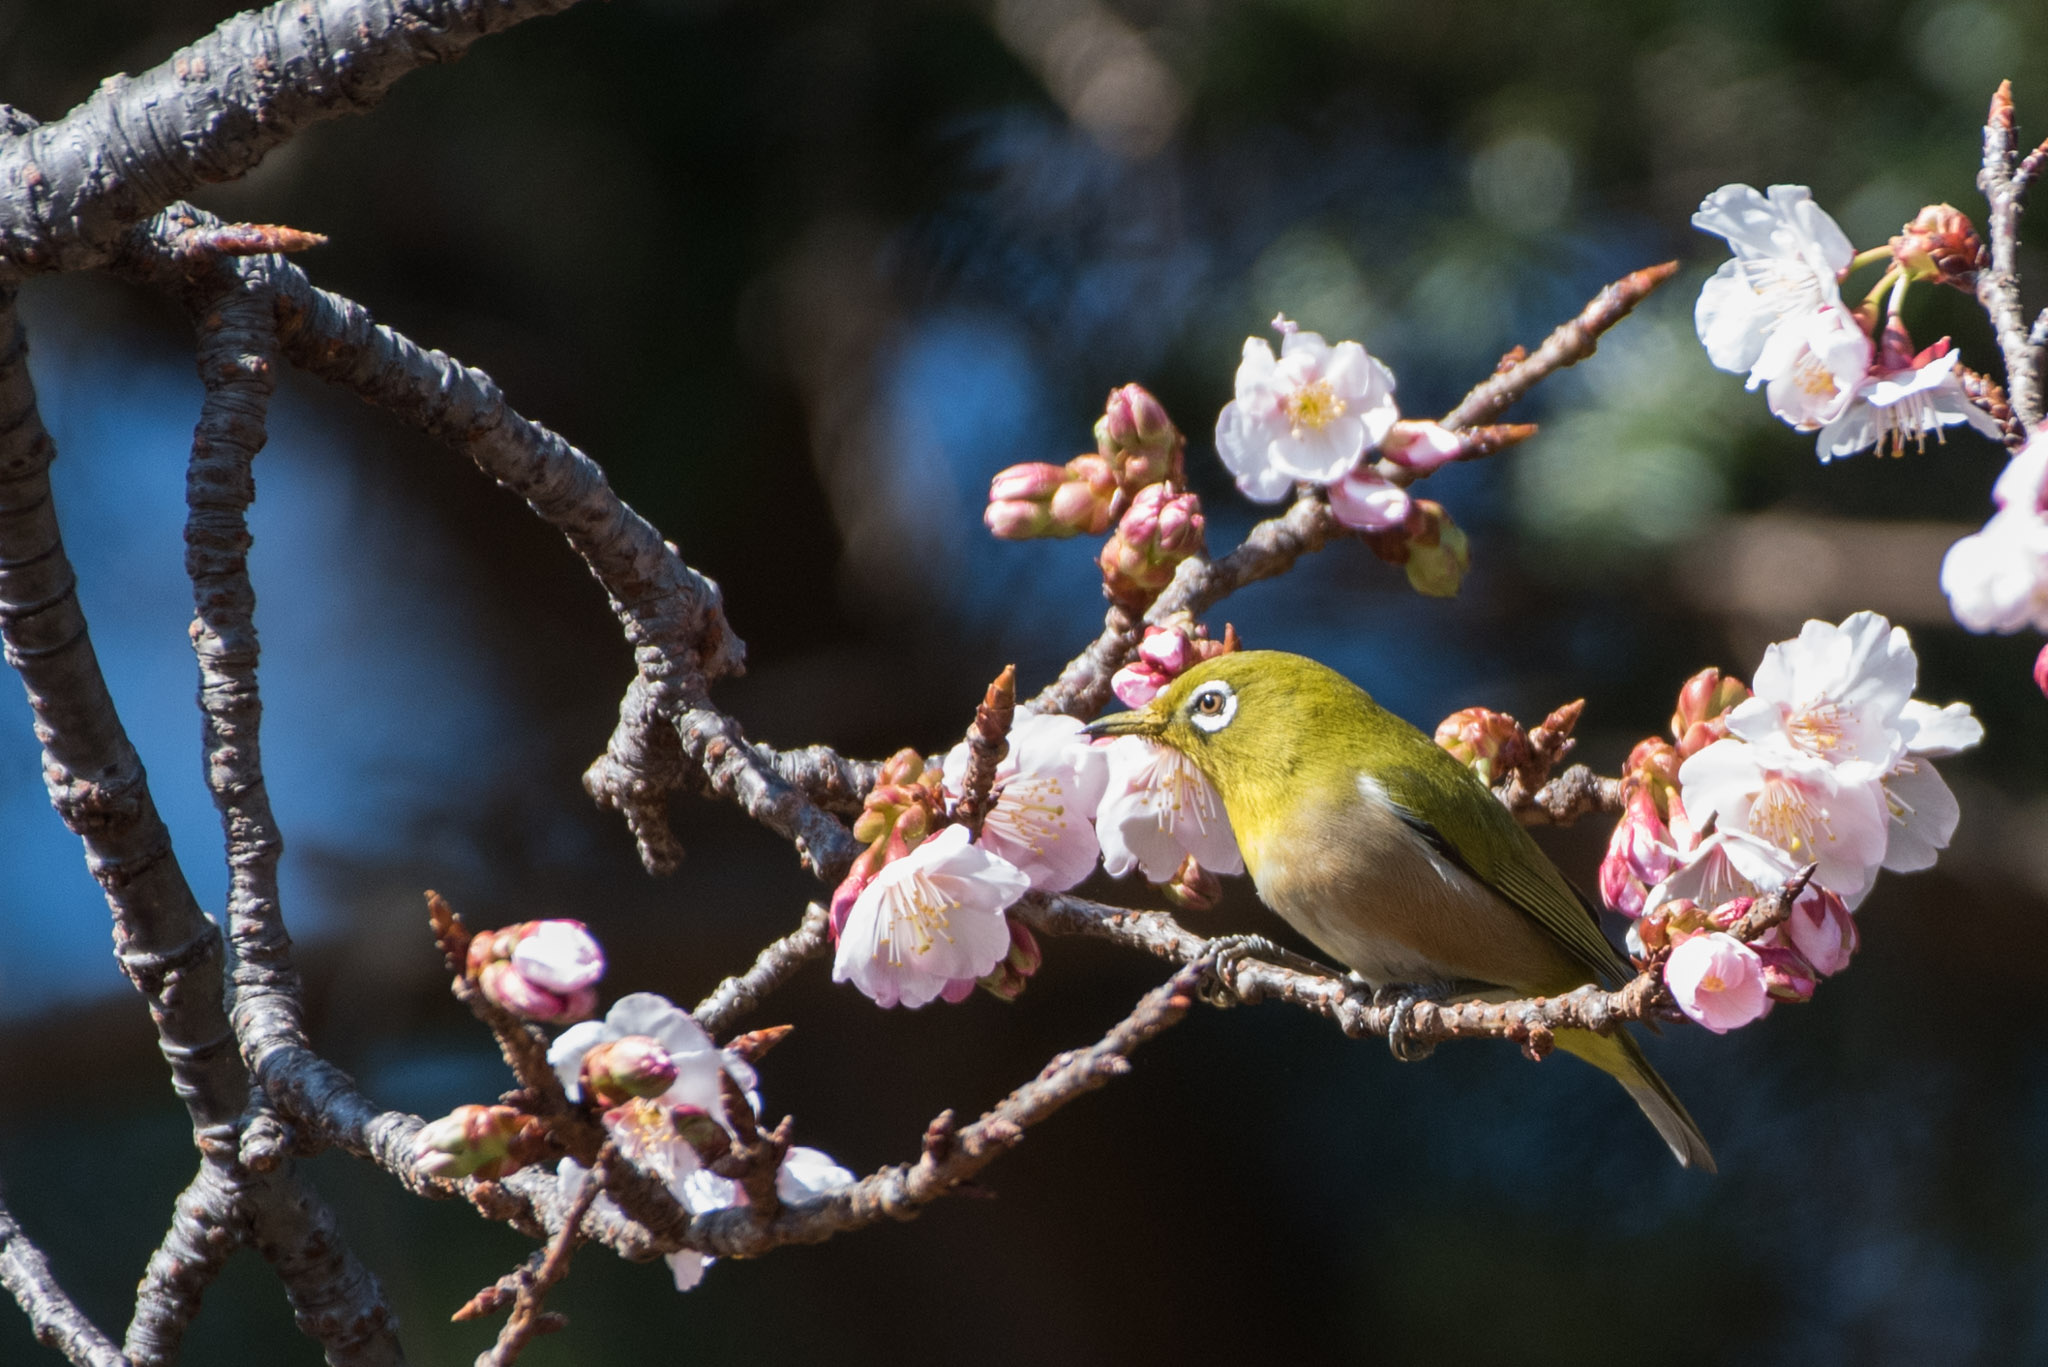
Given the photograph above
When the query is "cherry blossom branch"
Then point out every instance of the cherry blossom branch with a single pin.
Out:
(777, 963)
(212, 112)
(1575, 793)
(1571, 343)
(1998, 287)
(57, 1321)
(532, 1282)
(208, 1223)
(987, 743)
(1273, 546)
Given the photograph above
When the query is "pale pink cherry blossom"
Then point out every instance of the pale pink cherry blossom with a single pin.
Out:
(542, 970)
(1366, 501)
(1833, 693)
(1811, 810)
(1718, 981)
(560, 956)
(698, 1061)
(1045, 793)
(1309, 414)
(1158, 810)
(1789, 256)
(929, 922)
(1723, 866)
(1812, 367)
(1923, 809)
(1901, 401)
(1996, 579)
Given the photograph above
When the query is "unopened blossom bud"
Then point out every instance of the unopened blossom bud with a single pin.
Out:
(1683, 918)
(1486, 742)
(1650, 934)
(1822, 930)
(1161, 529)
(1006, 981)
(2041, 671)
(470, 1141)
(1192, 887)
(635, 1065)
(1164, 655)
(1138, 440)
(1727, 914)
(1639, 855)
(1941, 244)
(701, 1130)
(542, 970)
(1787, 975)
(1703, 704)
(1421, 446)
(1439, 557)
(1038, 499)
(1653, 767)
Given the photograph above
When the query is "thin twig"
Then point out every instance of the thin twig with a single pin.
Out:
(1998, 287)
(776, 964)
(529, 1319)
(56, 1319)
(988, 741)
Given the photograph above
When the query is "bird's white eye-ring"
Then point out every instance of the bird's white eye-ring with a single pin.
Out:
(1213, 706)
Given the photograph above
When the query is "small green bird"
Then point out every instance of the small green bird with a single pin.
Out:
(1371, 840)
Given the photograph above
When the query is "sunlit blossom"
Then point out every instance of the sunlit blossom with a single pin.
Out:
(1788, 256)
(1158, 810)
(1045, 793)
(929, 923)
(1805, 807)
(1903, 404)
(1308, 414)
(1718, 981)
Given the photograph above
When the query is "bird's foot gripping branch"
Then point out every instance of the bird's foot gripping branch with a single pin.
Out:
(1742, 848)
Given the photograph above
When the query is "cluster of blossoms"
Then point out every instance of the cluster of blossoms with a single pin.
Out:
(662, 1089)
(1134, 481)
(1320, 414)
(1828, 763)
(923, 912)
(1775, 312)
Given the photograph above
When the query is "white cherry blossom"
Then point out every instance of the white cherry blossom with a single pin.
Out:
(1159, 809)
(1045, 794)
(1834, 693)
(1788, 258)
(1308, 414)
(1893, 406)
(1812, 367)
(930, 922)
(698, 1060)
(1806, 807)
(1997, 579)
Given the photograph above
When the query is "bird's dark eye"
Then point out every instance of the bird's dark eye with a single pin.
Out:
(1209, 704)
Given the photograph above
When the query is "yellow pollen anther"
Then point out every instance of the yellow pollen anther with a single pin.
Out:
(1313, 407)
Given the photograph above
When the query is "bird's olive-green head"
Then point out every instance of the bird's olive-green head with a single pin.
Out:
(1263, 722)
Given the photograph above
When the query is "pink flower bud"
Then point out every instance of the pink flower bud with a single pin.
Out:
(1488, 743)
(1725, 916)
(1090, 499)
(1941, 244)
(515, 992)
(1161, 529)
(1639, 855)
(1703, 704)
(1167, 649)
(1138, 440)
(1006, 981)
(634, 1065)
(1020, 501)
(560, 956)
(1718, 981)
(1822, 930)
(1192, 887)
(1138, 683)
(1422, 446)
(468, 1141)
(1364, 501)
(1787, 975)
(2041, 671)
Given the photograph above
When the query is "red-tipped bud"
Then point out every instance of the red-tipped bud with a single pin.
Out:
(1192, 887)
(1037, 499)
(619, 1069)
(2041, 671)
(1787, 975)
(1006, 981)
(1161, 529)
(1138, 440)
(1653, 766)
(1941, 244)
(1727, 914)
(470, 1141)
(1486, 742)
(1703, 704)
(542, 970)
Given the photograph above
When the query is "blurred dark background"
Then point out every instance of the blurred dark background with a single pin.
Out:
(802, 276)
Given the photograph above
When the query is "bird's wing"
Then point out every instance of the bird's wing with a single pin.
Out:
(1517, 869)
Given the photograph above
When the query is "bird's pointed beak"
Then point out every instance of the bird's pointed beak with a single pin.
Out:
(1142, 722)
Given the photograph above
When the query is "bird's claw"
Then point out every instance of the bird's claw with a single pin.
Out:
(1400, 1000)
(1225, 953)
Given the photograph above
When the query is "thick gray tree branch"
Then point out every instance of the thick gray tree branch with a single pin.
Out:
(212, 111)
(208, 1223)
(58, 1323)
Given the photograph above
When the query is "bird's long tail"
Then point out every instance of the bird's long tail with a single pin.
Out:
(1619, 1055)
